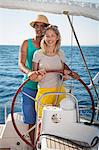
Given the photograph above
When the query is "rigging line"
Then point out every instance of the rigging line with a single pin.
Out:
(71, 56)
(66, 13)
(72, 46)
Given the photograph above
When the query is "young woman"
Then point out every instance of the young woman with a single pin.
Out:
(50, 58)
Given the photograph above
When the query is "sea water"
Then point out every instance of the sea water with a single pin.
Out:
(11, 77)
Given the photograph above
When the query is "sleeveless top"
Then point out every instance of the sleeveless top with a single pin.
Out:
(30, 52)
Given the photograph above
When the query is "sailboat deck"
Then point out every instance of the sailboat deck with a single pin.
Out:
(58, 144)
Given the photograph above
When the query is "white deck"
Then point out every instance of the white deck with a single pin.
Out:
(9, 139)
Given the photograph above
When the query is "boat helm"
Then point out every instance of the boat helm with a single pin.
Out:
(69, 106)
(67, 103)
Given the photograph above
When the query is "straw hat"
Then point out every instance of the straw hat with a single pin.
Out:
(40, 18)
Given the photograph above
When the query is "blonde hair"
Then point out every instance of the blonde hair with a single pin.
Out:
(43, 43)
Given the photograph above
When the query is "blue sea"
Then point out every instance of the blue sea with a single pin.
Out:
(11, 77)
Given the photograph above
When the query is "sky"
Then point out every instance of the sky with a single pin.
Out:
(15, 28)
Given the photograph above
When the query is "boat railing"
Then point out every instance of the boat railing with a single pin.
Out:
(8, 106)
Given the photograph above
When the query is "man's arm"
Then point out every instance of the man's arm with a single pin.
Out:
(22, 57)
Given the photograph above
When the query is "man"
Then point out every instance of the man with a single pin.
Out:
(25, 64)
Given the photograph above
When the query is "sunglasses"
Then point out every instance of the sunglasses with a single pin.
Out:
(52, 27)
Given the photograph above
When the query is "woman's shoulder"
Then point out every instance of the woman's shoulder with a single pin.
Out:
(38, 52)
(60, 52)
(61, 55)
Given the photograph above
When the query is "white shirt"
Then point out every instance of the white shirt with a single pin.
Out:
(46, 62)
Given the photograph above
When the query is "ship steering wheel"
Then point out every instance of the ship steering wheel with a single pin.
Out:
(19, 90)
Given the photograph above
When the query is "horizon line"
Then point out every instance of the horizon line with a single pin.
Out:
(61, 45)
